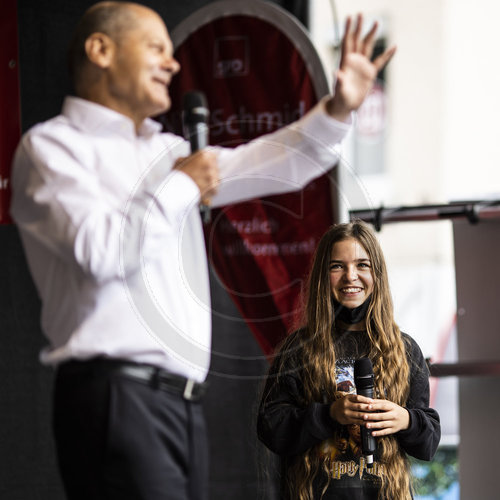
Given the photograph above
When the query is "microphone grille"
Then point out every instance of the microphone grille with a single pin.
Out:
(363, 367)
(195, 107)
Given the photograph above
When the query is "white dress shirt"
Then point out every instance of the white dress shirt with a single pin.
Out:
(113, 236)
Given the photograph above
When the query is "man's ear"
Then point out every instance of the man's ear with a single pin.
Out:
(100, 49)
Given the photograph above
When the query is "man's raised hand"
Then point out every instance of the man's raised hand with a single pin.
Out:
(357, 72)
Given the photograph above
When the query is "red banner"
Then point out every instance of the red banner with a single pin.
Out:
(10, 124)
(259, 71)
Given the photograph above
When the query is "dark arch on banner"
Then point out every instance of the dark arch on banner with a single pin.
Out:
(271, 13)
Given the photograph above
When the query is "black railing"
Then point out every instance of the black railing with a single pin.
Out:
(465, 369)
(473, 211)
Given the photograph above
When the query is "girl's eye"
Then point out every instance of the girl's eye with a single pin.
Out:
(335, 266)
(364, 265)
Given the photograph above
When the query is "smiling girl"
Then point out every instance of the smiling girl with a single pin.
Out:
(309, 413)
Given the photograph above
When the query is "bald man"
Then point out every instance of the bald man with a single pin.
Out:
(107, 208)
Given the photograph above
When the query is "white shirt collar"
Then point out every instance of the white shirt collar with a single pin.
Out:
(92, 117)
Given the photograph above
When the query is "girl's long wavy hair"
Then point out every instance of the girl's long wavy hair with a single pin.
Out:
(317, 354)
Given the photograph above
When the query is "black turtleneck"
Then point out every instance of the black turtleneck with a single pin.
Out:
(351, 316)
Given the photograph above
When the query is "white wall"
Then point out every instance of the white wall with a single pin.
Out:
(443, 94)
(442, 144)
(471, 99)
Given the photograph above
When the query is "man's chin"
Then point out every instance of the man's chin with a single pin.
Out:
(161, 108)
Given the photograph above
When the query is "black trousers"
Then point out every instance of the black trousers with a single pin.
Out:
(121, 439)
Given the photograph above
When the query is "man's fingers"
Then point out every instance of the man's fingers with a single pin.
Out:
(347, 41)
(352, 43)
(180, 162)
(384, 58)
(203, 169)
(208, 189)
(210, 183)
(357, 33)
(369, 41)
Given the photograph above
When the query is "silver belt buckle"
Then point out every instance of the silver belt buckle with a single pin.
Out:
(188, 389)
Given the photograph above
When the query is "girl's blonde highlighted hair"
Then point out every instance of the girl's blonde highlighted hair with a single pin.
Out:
(387, 352)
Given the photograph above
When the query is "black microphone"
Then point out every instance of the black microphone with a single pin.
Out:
(363, 379)
(195, 125)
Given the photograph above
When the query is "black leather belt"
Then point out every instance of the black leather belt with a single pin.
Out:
(155, 377)
(188, 388)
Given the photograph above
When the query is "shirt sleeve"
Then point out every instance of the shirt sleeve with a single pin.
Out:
(422, 437)
(285, 424)
(283, 161)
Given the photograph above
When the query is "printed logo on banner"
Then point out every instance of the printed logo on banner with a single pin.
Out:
(231, 56)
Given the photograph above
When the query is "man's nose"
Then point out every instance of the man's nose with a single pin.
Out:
(172, 65)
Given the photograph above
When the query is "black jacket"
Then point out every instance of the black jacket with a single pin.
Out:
(289, 427)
